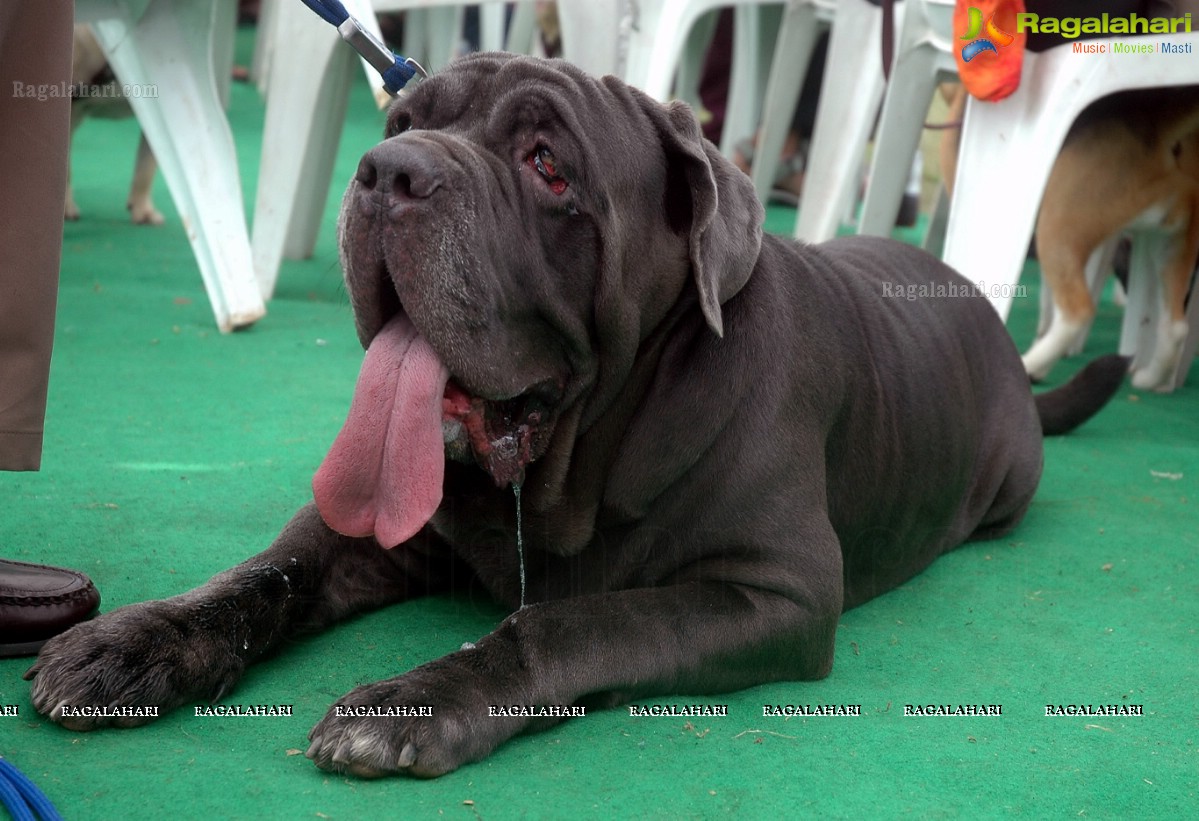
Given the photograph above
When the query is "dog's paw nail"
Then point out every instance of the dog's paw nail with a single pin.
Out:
(407, 756)
(314, 749)
(342, 754)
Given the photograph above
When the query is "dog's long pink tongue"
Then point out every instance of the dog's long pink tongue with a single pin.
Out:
(383, 475)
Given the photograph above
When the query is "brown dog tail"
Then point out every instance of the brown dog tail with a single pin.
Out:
(1065, 408)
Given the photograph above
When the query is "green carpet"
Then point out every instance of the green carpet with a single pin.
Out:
(174, 452)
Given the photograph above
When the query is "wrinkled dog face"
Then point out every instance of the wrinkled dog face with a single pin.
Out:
(519, 232)
(428, 231)
(480, 219)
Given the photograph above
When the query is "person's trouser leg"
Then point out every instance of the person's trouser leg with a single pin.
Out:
(34, 138)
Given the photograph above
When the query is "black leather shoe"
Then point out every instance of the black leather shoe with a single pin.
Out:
(39, 602)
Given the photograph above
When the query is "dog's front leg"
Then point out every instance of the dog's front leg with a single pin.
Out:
(701, 636)
(194, 647)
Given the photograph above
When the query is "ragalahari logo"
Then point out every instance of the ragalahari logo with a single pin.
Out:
(995, 39)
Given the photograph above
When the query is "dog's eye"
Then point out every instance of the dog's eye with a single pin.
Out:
(398, 123)
(543, 160)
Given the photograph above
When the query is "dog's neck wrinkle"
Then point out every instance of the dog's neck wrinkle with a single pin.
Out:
(567, 493)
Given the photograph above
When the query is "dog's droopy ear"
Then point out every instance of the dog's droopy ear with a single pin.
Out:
(714, 202)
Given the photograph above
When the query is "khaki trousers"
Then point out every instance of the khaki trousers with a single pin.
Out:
(35, 60)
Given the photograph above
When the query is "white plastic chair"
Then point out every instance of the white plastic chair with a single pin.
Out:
(306, 111)
(179, 47)
(660, 38)
(431, 32)
(849, 101)
(1007, 150)
(593, 34)
(923, 57)
(801, 25)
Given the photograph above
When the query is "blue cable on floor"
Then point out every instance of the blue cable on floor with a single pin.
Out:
(22, 798)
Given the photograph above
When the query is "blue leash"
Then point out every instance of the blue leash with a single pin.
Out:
(22, 798)
(396, 70)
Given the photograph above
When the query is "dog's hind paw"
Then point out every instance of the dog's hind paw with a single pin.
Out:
(144, 213)
(1151, 378)
(1158, 374)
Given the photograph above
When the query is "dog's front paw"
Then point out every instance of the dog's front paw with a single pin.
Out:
(125, 668)
(425, 723)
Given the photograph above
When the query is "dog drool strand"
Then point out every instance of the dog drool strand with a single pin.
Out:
(520, 544)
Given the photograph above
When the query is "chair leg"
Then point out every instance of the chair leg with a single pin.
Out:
(849, 100)
(224, 34)
(792, 56)
(300, 136)
(934, 239)
(1137, 331)
(491, 26)
(691, 66)
(897, 138)
(522, 28)
(264, 44)
(187, 129)
(1002, 169)
(752, 53)
(591, 35)
(657, 42)
(431, 34)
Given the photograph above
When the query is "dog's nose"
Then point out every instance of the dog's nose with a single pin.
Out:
(398, 171)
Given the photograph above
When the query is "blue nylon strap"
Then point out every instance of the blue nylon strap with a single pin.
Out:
(395, 70)
(397, 77)
(331, 11)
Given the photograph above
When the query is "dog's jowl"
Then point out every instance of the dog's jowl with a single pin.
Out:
(722, 439)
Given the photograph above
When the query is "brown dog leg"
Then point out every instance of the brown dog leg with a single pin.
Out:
(141, 207)
(1063, 271)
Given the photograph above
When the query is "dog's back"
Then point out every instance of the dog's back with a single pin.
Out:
(1159, 118)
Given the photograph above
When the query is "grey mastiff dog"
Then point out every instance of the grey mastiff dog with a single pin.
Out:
(722, 439)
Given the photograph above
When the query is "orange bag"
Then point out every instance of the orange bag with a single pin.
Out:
(990, 50)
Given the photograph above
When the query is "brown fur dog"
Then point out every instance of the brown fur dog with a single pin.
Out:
(96, 93)
(1129, 163)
